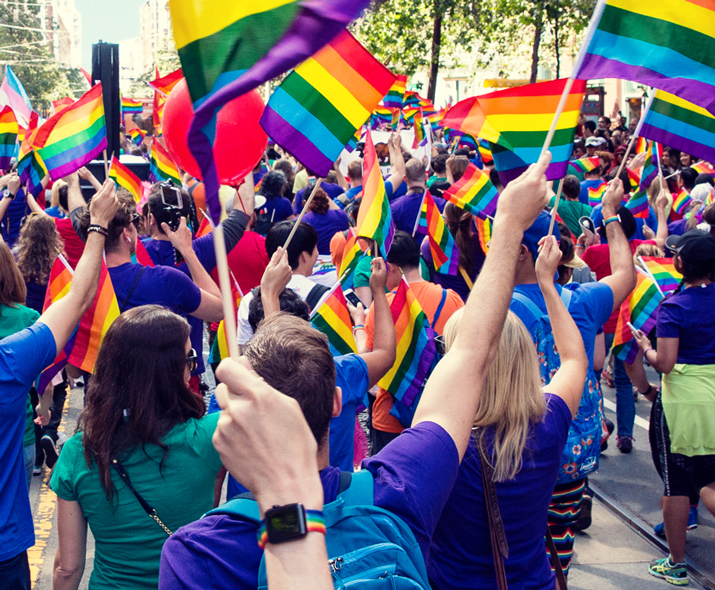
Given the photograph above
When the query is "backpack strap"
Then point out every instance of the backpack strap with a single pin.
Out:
(532, 308)
(243, 507)
(440, 307)
(360, 488)
(566, 297)
(132, 289)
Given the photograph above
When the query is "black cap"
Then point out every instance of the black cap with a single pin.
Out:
(693, 246)
(627, 221)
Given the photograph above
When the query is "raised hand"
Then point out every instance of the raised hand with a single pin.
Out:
(525, 197)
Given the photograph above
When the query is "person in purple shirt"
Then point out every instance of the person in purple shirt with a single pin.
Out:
(524, 427)
(327, 219)
(406, 210)
(414, 474)
(277, 208)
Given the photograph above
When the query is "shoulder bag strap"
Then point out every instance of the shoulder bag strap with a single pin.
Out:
(132, 289)
(466, 277)
(500, 546)
(145, 505)
(440, 307)
(555, 561)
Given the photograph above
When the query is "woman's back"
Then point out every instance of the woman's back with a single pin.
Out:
(128, 542)
(461, 555)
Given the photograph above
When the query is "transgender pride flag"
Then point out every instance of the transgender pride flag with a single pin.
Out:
(13, 95)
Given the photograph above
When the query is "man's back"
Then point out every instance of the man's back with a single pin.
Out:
(405, 210)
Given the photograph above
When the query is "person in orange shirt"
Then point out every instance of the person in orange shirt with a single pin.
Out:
(438, 304)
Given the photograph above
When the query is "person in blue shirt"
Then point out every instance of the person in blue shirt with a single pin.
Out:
(355, 180)
(406, 209)
(591, 180)
(23, 356)
(13, 207)
(590, 305)
(277, 208)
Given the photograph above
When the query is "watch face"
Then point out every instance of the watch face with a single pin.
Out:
(285, 523)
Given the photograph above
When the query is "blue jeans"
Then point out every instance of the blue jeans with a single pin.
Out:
(15, 573)
(625, 404)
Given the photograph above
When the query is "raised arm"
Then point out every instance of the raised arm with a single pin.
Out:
(13, 185)
(85, 174)
(274, 280)
(397, 161)
(568, 381)
(74, 192)
(660, 204)
(623, 274)
(452, 393)
(63, 316)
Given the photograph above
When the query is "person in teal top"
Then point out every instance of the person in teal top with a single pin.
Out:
(139, 418)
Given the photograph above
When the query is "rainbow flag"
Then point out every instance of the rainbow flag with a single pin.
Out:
(332, 318)
(523, 116)
(484, 231)
(435, 119)
(29, 164)
(474, 192)
(595, 194)
(651, 167)
(638, 204)
(9, 130)
(137, 135)
(703, 167)
(419, 131)
(641, 145)
(634, 179)
(228, 48)
(319, 107)
(125, 178)
(12, 94)
(485, 151)
(131, 106)
(164, 85)
(219, 348)
(445, 253)
(375, 217)
(396, 95)
(141, 256)
(664, 273)
(414, 100)
(672, 121)
(352, 252)
(161, 166)
(468, 118)
(682, 201)
(205, 227)
(582, 166)
(415, 348)
(667, 45)
(74, 136)
(639, 309)
(62, 103)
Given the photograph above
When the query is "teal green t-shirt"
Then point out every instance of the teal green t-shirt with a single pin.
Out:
(363, 270)
(12, 320)
(128, 542)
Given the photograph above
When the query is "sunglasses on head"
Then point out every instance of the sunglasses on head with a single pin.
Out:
(192, 360)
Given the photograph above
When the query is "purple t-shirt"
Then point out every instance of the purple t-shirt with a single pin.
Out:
(414, 475)
(688, 315)
(327, 225)
(406, 209)
(332, 190)
(461, 552)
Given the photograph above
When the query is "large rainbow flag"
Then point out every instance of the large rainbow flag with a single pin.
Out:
(673, 121)
(667, 45)
(445, 254)
(125, 178)
(523, 116)
(9, 130)
(396, 95)
(332, 318)
(74, 136)
(474, 192)
(318, 108)
(228, 48)
(161, 166)
(375, 217)
(415, 348)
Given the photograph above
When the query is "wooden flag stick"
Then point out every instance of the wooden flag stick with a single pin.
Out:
(106, 166)
(419, 213)
(625, 156)
(557, 115)
(302, 213)
(229, 316)
(556, 208)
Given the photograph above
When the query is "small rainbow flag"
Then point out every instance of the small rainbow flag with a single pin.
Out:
(415, 348)
(664, 273)
(205, 227)
(317, 108)
(219, 348)
(161, 166)
(419, 130)
(652, 165)
(9, 130)
(703, 167)
(352, 252)
(137, 135)
(375, 217)
(582, 166)
(164, 85)
(445, 253)
(595, 194)
(29, 164)
(125, 178)
(682, 201)
(641, 145)
(634, 178)
(473, 192)
(484, 231)
(638, 204)
(332, 318)
(131, 106)
(74, 136)
(396, 95)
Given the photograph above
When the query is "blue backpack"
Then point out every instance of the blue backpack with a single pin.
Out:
(368, 547)
(549, 360)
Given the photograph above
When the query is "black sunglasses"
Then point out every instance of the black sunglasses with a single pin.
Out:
(192, 360)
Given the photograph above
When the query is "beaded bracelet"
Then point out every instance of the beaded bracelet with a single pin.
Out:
(610, 220)
(99, 229)
(358, 327)
(314, 523)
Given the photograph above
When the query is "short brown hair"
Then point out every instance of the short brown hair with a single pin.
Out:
(122, 218)
(12, 286)
(294, 358)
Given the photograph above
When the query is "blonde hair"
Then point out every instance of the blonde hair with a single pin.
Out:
(512, 397)
(56, 193)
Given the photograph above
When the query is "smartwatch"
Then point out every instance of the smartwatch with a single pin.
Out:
(288, 523)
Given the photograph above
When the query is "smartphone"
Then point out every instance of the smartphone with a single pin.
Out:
(353, 299)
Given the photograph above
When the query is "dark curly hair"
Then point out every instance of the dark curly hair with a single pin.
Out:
(37, 248)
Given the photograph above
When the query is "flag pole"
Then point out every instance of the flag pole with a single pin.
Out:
(302, 214)
(556, 208)
(225, 284)
(625, 156)
(106, 167)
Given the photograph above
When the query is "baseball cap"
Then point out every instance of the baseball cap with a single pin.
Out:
(538, 230)
(693, 245)
(627, 221)
(595, 141)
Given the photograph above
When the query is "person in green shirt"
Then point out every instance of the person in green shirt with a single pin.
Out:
(570, 208)
(439, 168)
(140, 419)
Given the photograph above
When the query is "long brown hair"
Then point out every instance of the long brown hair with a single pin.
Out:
(12, 286)
(459, 223)
(137, 393)
(37, 248)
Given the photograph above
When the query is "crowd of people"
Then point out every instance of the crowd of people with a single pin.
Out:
(510, 421)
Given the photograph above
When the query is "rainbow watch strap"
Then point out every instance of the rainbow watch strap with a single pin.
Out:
(314, 523)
